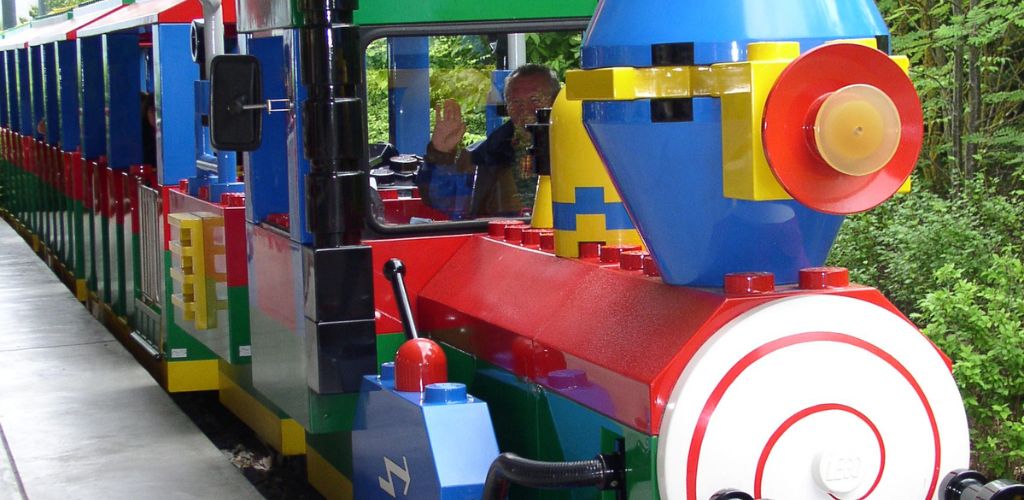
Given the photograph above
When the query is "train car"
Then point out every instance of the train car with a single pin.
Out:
(655, 323)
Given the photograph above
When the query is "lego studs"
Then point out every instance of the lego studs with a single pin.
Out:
(748, 283)
(419, 363)
(496, 228)
(817, 278)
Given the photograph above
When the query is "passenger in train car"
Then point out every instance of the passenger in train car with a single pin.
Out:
(505, 182)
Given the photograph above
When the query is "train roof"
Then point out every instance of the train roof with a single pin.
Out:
(147, 12)
(18, 39)
(80, 17)
(261, 16)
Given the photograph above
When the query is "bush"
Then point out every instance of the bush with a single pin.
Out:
(899, 246)
(954, 266)
(977, 322)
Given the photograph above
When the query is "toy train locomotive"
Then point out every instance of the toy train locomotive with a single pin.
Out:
(659, 326)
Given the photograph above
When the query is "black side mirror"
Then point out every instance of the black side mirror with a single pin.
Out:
(235, 95)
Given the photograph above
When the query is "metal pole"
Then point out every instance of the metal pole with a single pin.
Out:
(213, 32)
(516, 50)
(10, 13)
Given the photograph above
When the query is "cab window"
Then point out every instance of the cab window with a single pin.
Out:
(407, 77)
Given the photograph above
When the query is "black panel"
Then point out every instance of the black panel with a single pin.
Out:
(334, 203)
(335, 131)
(541, 149)
(883, 43)
(339, 354)
(672, 110)
(339, 284)
(672, 54)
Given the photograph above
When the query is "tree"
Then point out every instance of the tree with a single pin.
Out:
(53, 6)
(966, 59)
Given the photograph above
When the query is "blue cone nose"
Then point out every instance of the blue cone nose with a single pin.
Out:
(669, 173)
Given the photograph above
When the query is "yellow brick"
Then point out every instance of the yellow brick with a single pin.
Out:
(745, 171)
(187, 376)
(284, 435)
(332, 484)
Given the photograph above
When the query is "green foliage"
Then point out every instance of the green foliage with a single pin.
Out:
(560, 51)
(460, 68)
(899, 246)
(53, 6)
(977, 320)
(966, 64)
(377, 91)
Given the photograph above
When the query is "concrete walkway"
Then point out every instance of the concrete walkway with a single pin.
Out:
(79, 418)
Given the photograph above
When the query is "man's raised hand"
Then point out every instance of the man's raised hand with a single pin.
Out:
(448, 126)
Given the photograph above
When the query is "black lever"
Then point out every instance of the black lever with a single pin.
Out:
(394, 270)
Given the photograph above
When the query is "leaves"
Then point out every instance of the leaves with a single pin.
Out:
(461, 68)
(977, 321)
(990, 31)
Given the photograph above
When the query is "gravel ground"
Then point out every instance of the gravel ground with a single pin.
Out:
(274, 475)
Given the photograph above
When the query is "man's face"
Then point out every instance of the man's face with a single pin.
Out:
(524, 97)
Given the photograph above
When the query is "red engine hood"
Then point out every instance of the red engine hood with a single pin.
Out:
(531, 313)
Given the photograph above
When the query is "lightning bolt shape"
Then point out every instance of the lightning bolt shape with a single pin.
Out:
(393, 471)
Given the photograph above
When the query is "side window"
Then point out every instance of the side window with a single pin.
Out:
(480, 167)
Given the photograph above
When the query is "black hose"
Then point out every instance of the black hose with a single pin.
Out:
(603, 472)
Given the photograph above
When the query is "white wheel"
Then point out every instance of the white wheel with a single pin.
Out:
(813, 397)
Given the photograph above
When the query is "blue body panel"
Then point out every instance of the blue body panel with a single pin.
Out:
(122, 86)
(622, 31)
(36, 65)
(670, 173)
(50, 104)
(92, 122)
(417, 449)
(67, 88)
(409, 94)
(174, 72)
(4, 93)
(266, 179)
(298, 166)
(26, 125)
(11, 88)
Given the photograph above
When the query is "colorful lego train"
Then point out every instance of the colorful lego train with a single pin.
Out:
(659, 326)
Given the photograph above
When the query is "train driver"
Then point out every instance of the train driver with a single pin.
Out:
(505, 183)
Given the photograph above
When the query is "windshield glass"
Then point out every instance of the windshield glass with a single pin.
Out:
(443, 146)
